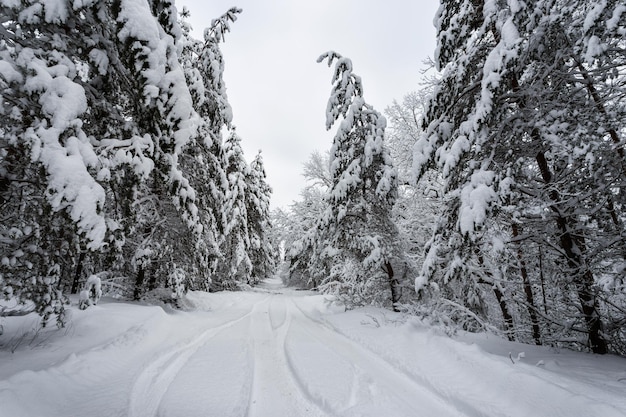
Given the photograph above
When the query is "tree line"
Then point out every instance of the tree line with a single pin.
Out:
(509, 214)
(118, 156)
(491, 199)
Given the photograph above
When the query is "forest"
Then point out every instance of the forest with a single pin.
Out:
(491, 198)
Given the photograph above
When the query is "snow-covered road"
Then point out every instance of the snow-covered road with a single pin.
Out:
(277, 352)
(274, 360)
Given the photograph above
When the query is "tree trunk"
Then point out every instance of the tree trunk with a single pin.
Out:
(591, 89)
(139, 283)
(78, 273)
(393, 286)
(574, 248)
(506, 315)
(528, 290)
(543, 283)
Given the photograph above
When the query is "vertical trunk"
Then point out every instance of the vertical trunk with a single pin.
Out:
(506, 315)
(139, 283)
(394, 286)
(574, 247)
(528, 290)
(78, 273)
(543, 283)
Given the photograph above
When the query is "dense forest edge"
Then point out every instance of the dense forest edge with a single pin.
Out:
(489, 199)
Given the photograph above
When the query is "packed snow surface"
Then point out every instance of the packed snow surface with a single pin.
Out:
(279, 352)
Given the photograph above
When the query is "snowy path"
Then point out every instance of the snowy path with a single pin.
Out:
(277, 352)
(372, 385)
(276, 391)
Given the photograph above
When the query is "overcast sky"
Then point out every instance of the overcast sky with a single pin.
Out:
(277, 90)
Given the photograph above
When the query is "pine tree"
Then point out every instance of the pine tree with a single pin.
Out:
(355, 238)
(517, 134)
(235, 267)
(165, 119)
(261, 253)
(50, 196)
(97, 111)
(204, 159)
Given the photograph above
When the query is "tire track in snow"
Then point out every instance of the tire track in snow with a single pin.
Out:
(275, 391)
(421, 397)
(448, 367)
(277, 315)
(154, 380)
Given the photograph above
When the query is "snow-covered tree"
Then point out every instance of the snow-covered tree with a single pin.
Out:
(418, 205)
(355, 239)
(316, 171)
(235, 267)
(520, 130)
(262, 253)
(204, 159)
(96, 114)
(290, 226)
(164, 118)
(52, 201)
(404, 128)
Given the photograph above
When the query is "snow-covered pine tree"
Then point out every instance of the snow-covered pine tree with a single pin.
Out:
(235, 267)
(355, 237)
(203, 160)
(528, 153)
(97, 111)
(51, 201)
(164, 117)
(261, 252)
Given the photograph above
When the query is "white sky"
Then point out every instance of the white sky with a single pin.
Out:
(277, 90)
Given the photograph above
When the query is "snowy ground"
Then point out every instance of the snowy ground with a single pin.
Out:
(277, 352)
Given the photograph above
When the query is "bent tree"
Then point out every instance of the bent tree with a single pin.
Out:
(354, 244)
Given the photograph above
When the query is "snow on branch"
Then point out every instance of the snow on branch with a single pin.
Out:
(221, 25)
(346, 89)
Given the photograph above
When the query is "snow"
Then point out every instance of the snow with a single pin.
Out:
(613, 22)
(10, 3)
(274, 351)
(450, 157)
(476, 198)
(594, 48)
(9, 73)
(593, 15)
(137, 26)
(60, 144)
(164, 77)
(31, 14)
(100, 59)
(62, 99)
(55, 10)
(94, 285)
